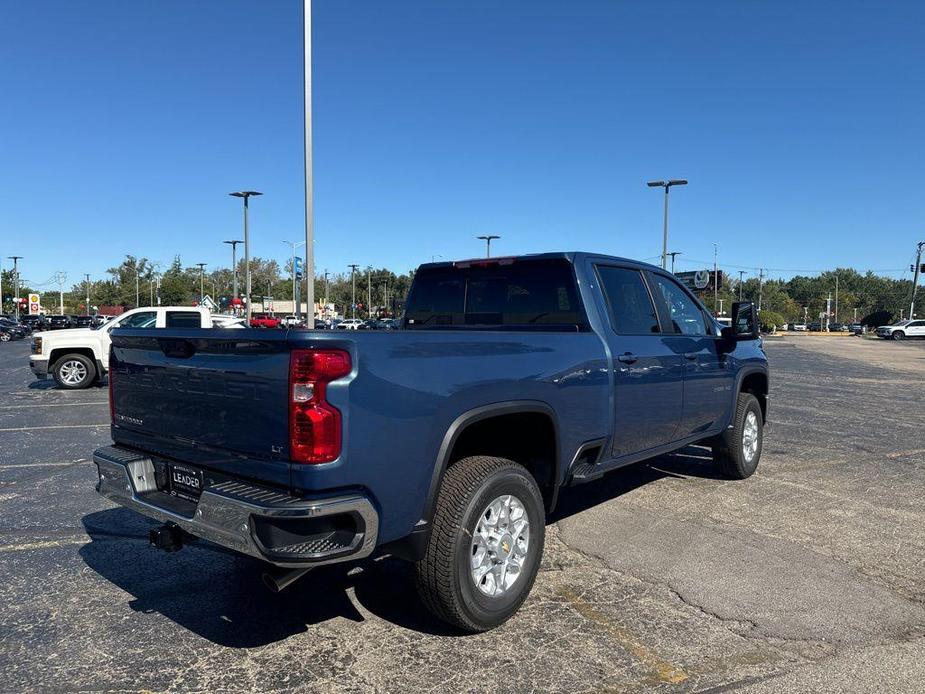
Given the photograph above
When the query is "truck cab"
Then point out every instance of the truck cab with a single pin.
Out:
(78, 357)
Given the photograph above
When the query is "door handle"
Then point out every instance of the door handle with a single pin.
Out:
(627, 358)
(690, 356)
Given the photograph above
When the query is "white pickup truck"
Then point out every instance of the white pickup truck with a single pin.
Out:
(78, 357)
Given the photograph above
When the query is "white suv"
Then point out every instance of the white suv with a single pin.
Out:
(350, 324)
(76, 358)
(902, 330)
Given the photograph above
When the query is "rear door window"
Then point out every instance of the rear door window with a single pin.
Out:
(631, 308)
(144, 319)
(537, 294)
(183, 319)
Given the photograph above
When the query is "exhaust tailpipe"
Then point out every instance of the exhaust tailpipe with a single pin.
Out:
(278, 580)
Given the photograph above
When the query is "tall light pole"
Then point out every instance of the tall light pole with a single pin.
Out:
(369, 290)
(88, 293)
(353, 296)
(202, 292)
(487, 239)
(137, 290)
(309, 182)
(15, 259)
(666, 185)
(673, 254)
(234, 267)
(741, 275)
(246, 195)
(715, 277)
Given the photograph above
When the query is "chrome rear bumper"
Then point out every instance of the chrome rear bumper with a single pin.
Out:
(236, 515)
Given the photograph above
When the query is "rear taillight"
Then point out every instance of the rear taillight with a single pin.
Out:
(314, 424)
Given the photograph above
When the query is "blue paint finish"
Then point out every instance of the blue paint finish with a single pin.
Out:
(219, 398)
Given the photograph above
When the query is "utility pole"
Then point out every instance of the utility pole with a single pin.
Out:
(741, 275)
(805, 314)
(326, 286)
(151, 292)
(915, 277)
(487, 240)
(16, 259)
(836, 296)
(760, 279)
(88, 293)
(353, 295)
(828, 310)
(137, 292)
(234, 266)
(673, 254)
(62, 278)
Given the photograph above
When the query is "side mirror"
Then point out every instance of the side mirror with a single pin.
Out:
(744, 322)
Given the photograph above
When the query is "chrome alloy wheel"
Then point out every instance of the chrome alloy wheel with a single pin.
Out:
(500, 543)
(750, 437)
(72, 372)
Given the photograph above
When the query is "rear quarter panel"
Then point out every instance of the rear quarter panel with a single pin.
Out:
(408, 387)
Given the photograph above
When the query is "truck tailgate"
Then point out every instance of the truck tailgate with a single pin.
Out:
(225, 391)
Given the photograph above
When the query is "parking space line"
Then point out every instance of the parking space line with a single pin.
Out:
(45, 544)
(58, 426)
(662, 670)
(55, 404)
(21, 465)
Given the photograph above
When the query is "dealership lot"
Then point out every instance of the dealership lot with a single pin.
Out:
(808, 576)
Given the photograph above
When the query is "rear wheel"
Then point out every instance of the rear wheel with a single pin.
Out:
(738, 450)
(74, 371)
(486, 543)
(899, 335)
(4, 337)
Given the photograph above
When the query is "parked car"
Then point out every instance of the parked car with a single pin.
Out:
(902, 330)
(798, 327)
(83, 322)
(814, 327)
(264, 320)
(321, 325)
(291, 322)
(15, 328)
(446, 442)
(78, 358)
(856, 329)
(9, 334)
(35, 321)
(59, 322)
(350, 324)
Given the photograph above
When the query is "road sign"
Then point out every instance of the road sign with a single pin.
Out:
(35, 305)
(208, 303)
(298, 268)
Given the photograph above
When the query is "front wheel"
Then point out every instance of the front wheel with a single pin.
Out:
(737, 451)
(74, 371)
(485, 545)
(899, 335)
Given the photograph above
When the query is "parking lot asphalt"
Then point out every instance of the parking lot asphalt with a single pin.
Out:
(810, 576)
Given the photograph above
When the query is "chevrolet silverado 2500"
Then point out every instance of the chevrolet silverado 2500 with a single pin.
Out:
(444, 442)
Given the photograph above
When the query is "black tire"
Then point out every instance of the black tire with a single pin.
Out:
(899, 335)
(4, 337)
(67, 370)
(444, 575)
(728, 449)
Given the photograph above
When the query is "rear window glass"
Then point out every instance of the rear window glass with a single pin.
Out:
(526, 294)
(183, 319)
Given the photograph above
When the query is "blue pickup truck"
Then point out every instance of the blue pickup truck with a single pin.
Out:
(444, 442)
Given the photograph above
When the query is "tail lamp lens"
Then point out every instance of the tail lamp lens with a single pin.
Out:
(314, 424)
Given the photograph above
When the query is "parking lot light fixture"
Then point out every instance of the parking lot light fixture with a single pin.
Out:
(487, 239)
(202, 268)
(246, 195)
(666, 185)
(15, 259)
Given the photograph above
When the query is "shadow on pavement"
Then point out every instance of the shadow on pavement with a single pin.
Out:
(219, 595)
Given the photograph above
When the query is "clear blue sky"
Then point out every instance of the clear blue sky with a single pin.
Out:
(123, 125)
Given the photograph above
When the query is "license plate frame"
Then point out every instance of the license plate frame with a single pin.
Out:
(185, 482)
